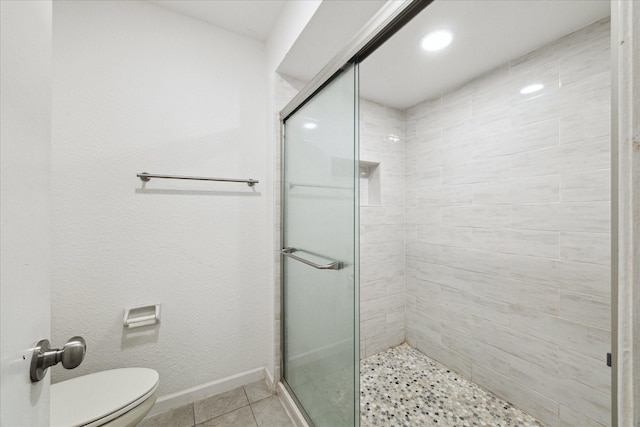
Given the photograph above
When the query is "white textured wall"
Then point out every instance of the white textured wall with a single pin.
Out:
(138, 88)
(293, 19)
(508, 240)
(382, 281)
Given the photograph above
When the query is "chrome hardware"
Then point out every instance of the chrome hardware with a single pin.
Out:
(335, 265)
(144, 176)
(293, 185)
(43, 357)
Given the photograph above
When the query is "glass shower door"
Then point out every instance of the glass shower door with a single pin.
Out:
(320, 255)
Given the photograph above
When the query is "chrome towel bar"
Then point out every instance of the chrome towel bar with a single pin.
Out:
(144, 176)
(332, 187)
(334, 265)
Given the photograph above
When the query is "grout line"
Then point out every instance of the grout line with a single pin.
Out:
(250, 407)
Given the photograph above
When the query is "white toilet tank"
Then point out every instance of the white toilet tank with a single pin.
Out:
(99, 398)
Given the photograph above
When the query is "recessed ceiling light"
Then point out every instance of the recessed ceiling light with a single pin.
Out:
(531, 88)
(436, 40)
(310, 125)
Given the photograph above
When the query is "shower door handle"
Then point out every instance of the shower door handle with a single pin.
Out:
(334, 265)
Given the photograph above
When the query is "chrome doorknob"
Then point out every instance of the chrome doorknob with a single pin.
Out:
(73, 352)
(43, 357)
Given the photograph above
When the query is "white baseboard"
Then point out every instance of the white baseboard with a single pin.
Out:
(268, 378)
(202, 391)
(291, 407)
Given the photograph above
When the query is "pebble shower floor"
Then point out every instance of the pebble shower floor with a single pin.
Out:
(403, 387)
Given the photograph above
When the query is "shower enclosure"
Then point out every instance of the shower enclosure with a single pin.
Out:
(482, 210)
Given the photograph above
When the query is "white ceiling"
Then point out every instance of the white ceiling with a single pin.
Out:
(488, 34)
(251, 18)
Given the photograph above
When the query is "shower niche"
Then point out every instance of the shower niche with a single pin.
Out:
(369, 183)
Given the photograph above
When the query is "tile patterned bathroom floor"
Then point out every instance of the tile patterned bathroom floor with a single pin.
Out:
(403, 387)
(250, 406)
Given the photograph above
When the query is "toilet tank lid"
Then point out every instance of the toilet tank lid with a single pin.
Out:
(86, 399)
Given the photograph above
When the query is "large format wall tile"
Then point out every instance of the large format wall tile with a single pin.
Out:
(594, 404)
(538, 404)
(521, 345)
(476, 216)
(521, 242)
(507, 230)
(591, 279)
(382, 229)
(586, 247)
(519, 139)
(587, 309)
(574, 157)
(586, 186)
(539, 189)
(569, 216)
(476, 171)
